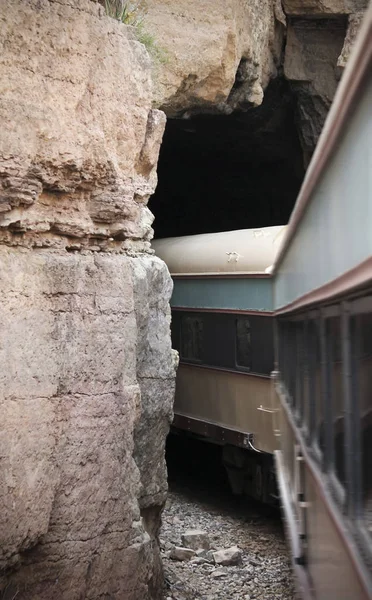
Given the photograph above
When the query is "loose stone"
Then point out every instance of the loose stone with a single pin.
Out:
(178, 553)
(199, 560)
(230, 556)
(218, 573)
(227, 526)
(195, 539)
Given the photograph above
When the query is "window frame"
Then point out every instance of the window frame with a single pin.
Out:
(338, 488)
(358, 307)
(239, 367)
(184, 359)
(348, 497)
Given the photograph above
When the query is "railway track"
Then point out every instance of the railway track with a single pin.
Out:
(199, 498)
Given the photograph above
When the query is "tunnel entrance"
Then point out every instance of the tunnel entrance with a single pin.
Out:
(226, 172)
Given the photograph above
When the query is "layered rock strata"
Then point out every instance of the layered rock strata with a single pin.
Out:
(86, 367)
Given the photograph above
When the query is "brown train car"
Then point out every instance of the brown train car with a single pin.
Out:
(222, 327)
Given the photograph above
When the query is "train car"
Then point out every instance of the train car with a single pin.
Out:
(222, 327)
(323, 307)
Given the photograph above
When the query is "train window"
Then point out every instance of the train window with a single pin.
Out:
(262, 343)
(364, 407)
(315, 383)
(300, 368)
(219, 340)
(306, 389)
(335, 397)
(287, 357)
(282, 347)
(192, 338)
(175, 330)
(243, 343)
(290, 360)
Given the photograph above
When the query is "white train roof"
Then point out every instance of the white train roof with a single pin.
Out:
(245, 251)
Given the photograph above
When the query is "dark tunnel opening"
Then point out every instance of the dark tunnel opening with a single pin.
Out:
(226, 172)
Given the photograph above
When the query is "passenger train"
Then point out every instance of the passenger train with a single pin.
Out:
(222, 326)
(323, 315)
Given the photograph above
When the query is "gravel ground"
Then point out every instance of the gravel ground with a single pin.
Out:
(201, 501)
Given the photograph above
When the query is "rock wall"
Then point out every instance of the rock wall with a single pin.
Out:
(220, 55)
(312, 50)
(86, 367)
(319, 39)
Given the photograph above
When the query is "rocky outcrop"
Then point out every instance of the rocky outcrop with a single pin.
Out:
(218, 55)
(317, 8)
(312, 50)
(80, 149)
(86, 364)
(353, 25)
(319, 39)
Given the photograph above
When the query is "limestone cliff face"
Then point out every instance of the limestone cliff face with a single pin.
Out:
(86, 367)
(221, 55)
(320, 35)
(79, 139)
